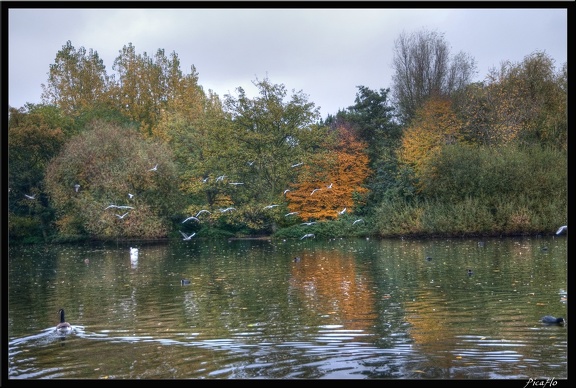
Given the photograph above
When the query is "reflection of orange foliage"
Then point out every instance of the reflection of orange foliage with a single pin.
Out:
(429, 329)
(329, 284)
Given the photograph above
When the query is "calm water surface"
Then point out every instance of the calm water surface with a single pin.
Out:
(349, 309)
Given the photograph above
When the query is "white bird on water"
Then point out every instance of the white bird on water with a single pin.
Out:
(186, 236)
(308, 235)
(191, 218)
(134, 257)
(562, 229)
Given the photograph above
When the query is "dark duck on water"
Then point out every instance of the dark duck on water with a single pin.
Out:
(63, 327)
(550, 320)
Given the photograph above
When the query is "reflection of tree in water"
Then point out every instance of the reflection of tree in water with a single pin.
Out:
(329, 284)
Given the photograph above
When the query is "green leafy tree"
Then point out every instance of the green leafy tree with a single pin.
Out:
(374, 120)
(240, 153)
(113, 166)
(273, 134)
(36, 134)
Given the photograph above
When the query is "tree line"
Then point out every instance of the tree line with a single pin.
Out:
(135, 153)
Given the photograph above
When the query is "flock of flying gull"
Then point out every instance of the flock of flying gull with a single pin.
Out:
(64, 327)
(187, 237)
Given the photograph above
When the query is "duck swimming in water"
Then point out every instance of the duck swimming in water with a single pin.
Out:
(63, 327)
(550, 320)
(184, 282)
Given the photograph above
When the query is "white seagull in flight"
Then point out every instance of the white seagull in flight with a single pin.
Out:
(270, 206)
(119, 207)
(202, 211)
(290, 214)
(186, 236)
(358, 220)
(30, 196)
(315, 190)
(122, 216)
(155, 168)
(307, 236)
(342, 212)
(191, 218)
(227, 209)
(562, 229)
(297, 164)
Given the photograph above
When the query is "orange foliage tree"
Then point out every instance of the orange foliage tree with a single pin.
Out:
(332, 181)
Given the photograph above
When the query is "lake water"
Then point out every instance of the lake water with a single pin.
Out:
(348, 309)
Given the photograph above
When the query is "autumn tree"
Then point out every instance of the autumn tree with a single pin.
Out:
(76, 80)
(524, 101)
(148, 86)
(36, 134)
(423, 68)
(113, 166)
(435, 126)
(334, 183)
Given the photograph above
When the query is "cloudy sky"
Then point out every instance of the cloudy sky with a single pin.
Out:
(326, 53)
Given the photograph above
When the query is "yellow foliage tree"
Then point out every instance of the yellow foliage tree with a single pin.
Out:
(434, 127)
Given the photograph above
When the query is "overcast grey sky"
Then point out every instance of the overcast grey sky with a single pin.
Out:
(326, 53)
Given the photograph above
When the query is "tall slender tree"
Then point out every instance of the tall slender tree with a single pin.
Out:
(76, 80)
(423, 68)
